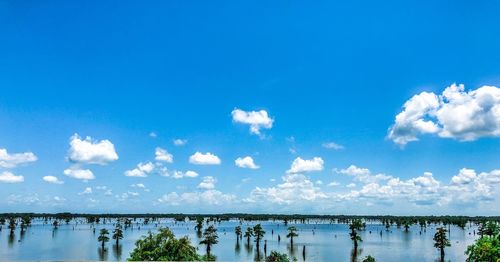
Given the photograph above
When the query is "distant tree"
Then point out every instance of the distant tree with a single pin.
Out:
(163, 246)
(291, 234)
(210, 238)
(406, 225)
(118, 233)
(103, 237)
(441, 241)
(258, 234)
(248, 234)
(12, 225)
(237, 231)
(275, 256)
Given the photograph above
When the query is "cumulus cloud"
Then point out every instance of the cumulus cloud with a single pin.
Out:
(256, 119)
(363, 175)
(142, 170)
(300, 165)
(86, 191)
(82, 174)
(207, 183)
(180, 174)
(204, 159)
(180, 142)
(333, 145)
(8, 177)
(12, 160)
(455, 113)
(295, 188)
(245, 162)
(163, 156)
(88, 151)
(52, 180)
(207, 197)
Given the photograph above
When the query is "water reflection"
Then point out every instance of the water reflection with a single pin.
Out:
(355, 253)
(237, 248)
(103, 253)
(11, 239)
(117, 252)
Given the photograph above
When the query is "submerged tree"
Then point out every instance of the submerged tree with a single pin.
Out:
(292, 232)
(12, 225)
(118, 233)
(237, 231)
(163, 246)
(248, 234)
(355, 226)
(210, 238)
(103, 237)
(441, 241)
(199, 225)
(369, 259)
(258, 233)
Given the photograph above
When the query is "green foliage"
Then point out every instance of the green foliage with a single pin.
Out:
(258, 233)
(440, 239)
(163, 246)
(118, 233)
(237, 231)
(275, 256)
(103, 236)
(355, 226)
(486, 248)
(292, 232)
(368, 259)
(210, 238)
(199, 224)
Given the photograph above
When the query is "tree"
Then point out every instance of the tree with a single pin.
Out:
(209, 238)
(441, 241)
(12, 225)
(248, 234)
(484, 249)
(103, 237)
(163, 246)
(369, 259)
(199, 225)
(55, 224)
(258, 233)
(237, 231)
(118, 233)
(355, 225)
(291, 234)
(275, 256)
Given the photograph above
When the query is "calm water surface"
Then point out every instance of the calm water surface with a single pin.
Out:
(323, 241)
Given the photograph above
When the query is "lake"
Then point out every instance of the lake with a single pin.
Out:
(323, 241)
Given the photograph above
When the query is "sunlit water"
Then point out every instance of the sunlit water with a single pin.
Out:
(323, 241)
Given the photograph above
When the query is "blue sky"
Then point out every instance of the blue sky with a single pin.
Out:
(323, 73)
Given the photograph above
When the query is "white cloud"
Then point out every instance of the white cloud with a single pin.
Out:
(457, 114)
(12, 160)
(207, 197)
(86, 191)
(153, 134)
(8, 177)
(295, 188)
(87, 151)
(163, 156)
(350, 185)
(256, 119)
(300, 165)
(204, 159)
(180, 174)
(333, 145)
(142, 170)
(52, 180)
(180, 142)
(83, 174)
(334, 183)
(140, 185)
(207, 183)
(362, 174)
(245, 162)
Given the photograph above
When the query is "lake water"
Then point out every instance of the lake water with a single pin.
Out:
(323, 241)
